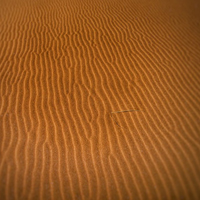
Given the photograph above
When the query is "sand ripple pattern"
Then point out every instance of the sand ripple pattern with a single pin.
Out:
(65, 65)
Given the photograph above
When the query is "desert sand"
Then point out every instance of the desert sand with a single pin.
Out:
(100, 99)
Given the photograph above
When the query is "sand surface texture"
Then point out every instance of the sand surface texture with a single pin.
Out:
(67, 67)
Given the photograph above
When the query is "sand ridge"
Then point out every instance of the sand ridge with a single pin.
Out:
(68, 69)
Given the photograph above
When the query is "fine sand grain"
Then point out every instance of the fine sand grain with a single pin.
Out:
(99, 99)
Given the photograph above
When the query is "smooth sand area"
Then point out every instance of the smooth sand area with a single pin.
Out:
(68, 68)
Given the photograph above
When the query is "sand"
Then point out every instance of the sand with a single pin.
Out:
(68, 71)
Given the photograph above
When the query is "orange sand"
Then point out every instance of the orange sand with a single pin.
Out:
(65, 65)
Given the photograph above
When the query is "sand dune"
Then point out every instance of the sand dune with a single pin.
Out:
(65, 66)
